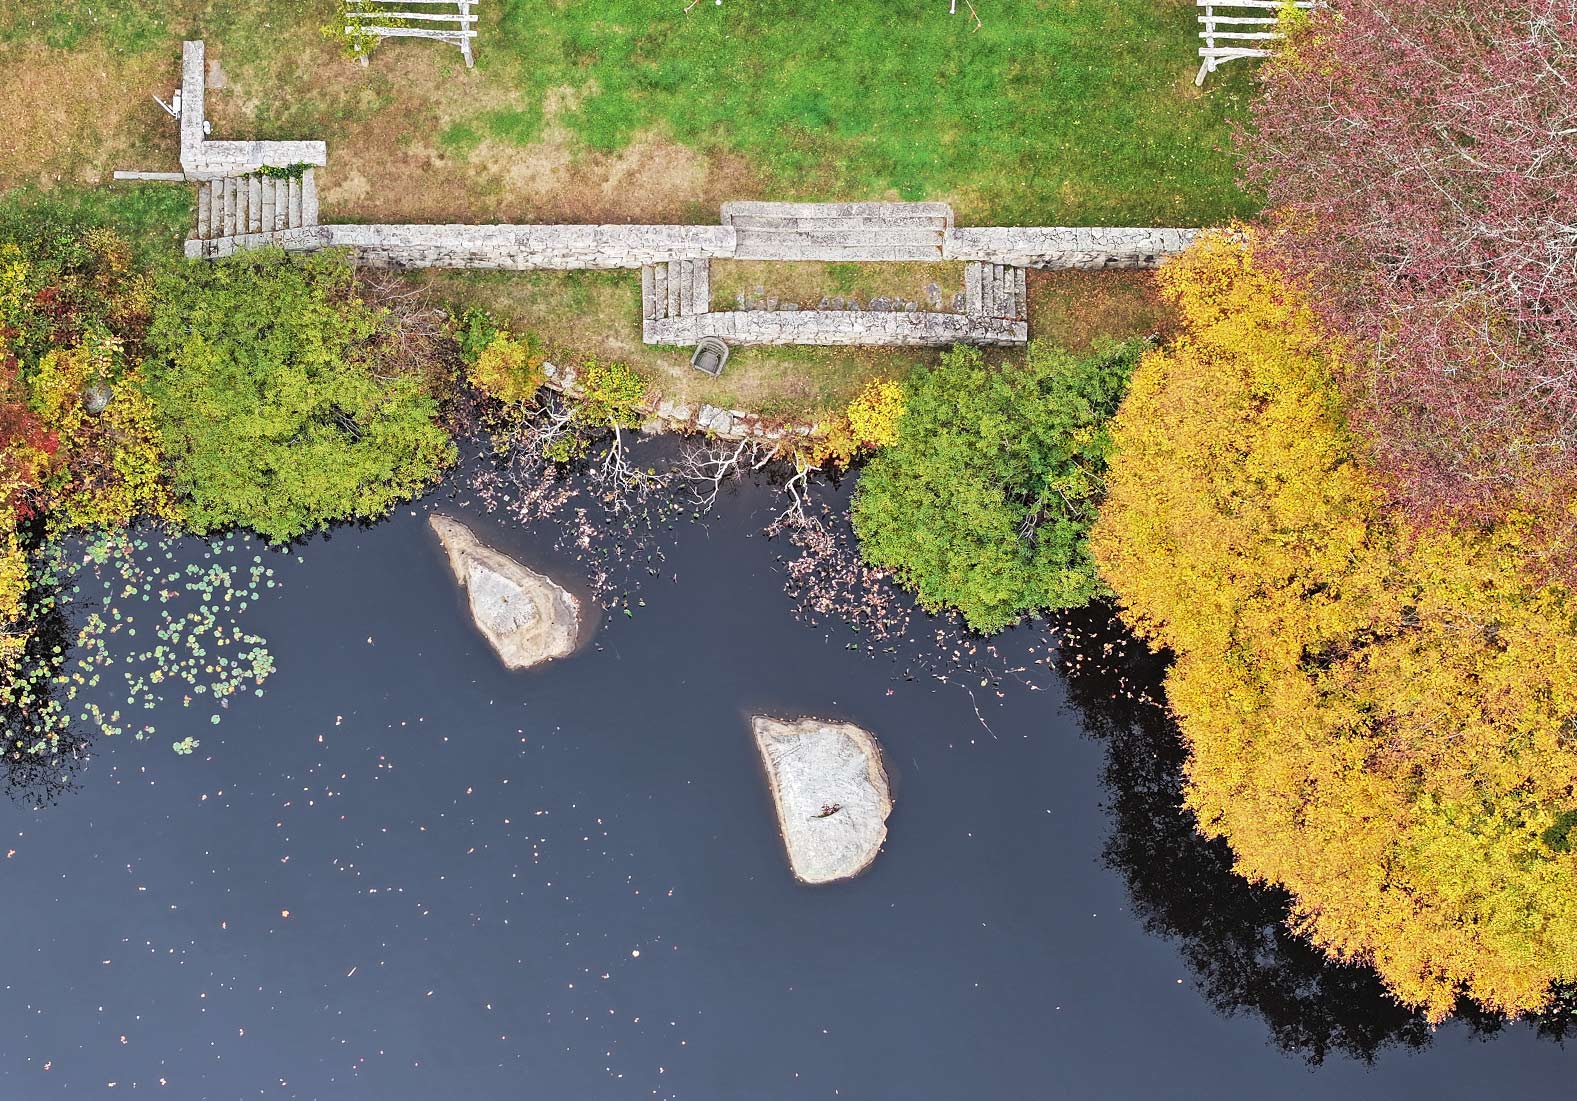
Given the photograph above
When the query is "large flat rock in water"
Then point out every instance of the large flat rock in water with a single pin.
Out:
(813, 767)
(525, 616)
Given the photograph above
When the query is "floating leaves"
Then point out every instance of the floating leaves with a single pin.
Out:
(187, 598)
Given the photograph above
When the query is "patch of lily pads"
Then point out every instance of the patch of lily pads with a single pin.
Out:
(154, 624)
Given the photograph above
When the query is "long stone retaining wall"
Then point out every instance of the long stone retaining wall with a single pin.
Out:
(567, 247)
(505, 247)
(1086, 247)
(919, 328)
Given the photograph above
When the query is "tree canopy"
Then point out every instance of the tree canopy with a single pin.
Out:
(1379, 720)
(276, 400)
(1421, 162)
(983, 501)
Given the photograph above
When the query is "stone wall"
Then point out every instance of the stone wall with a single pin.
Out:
(216, 159)
(202, 159)
(1087, 247)
(301, 239)
(917, 328)
(567, 247)
(528, 247)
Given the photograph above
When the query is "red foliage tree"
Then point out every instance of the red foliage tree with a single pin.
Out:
(1420, 158)
(25, 444)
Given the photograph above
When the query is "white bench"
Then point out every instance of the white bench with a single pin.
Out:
(1247, 30)
(452, 21)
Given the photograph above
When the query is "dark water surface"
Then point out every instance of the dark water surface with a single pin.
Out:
(568, 884)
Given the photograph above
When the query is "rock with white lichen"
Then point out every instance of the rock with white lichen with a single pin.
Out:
(830, 791)
(525, 616)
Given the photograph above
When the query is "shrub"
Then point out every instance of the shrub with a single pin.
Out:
(874, 413)
(983, 501)
(509, 368)
(475, 331)
(1379, 722)
(610, 395)
(275, 401)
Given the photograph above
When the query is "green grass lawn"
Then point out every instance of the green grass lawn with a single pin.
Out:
(1053, 111)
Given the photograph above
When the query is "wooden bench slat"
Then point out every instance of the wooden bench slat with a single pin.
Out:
(413, 32)
(422, 16)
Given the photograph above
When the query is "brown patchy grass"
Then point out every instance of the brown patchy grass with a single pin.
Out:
(598, 314)
(73, 116)
(386, 163)
(1078, 308)
(806, 283)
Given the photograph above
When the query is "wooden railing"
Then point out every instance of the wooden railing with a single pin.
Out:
(452, 21)
(1246, 31)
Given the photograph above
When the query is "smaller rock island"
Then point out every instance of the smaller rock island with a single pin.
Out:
(830, 791)
(525, 616)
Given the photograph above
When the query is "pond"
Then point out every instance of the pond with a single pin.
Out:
(403, 872)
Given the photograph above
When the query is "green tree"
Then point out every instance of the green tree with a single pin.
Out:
(276, 398)
(984, 501)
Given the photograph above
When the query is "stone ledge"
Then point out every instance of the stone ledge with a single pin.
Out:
(300, 239)
(529, 247)
(897, 212)
(836, 328)
(213, 159)
(1086, 247)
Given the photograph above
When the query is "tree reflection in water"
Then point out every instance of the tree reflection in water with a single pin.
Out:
(1231, 931)
(40, 778)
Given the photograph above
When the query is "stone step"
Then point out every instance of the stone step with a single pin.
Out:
(734, 210)
(659, 290)
(682, 274)
(648, 293)
(995, 290)
(309, 199)
(675, 276)
(701, 293)
(867, 245)
(933, 223)
(270, 205)
(205, 210)
(254, 204)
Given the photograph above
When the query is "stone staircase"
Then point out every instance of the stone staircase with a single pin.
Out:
(231, 206)
(996, 290)
(678, 288)
(838, 231)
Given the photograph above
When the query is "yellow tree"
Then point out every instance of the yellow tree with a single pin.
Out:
(1385, 724)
